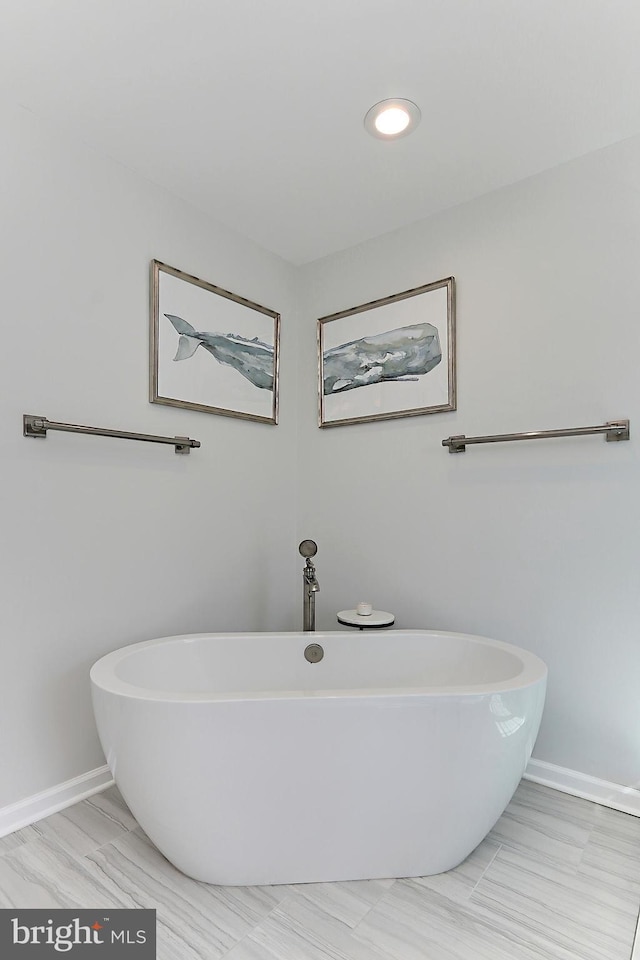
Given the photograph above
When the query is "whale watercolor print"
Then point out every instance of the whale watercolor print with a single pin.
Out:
(389, 358)
(211, 350)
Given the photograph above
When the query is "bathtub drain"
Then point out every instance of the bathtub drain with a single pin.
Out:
(314, 653)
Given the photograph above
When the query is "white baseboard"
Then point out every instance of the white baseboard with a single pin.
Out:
(614, 795)
(41, 805)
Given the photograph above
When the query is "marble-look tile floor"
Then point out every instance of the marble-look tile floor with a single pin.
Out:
(558, 878)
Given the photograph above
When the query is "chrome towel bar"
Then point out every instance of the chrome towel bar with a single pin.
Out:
(614, 430)
(33, 426)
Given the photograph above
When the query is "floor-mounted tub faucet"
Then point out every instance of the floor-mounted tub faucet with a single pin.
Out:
(310, 585)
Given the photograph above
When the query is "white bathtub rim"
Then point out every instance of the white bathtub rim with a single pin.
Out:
(103, 676)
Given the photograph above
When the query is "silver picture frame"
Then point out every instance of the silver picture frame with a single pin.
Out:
(212, 350)
(389, 358)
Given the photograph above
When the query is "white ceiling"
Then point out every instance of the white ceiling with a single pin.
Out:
(253, 110)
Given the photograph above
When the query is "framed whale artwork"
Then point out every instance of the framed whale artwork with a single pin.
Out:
(389, 358)
(212, 350)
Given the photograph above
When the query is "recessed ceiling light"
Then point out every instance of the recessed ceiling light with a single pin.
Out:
(391, 119)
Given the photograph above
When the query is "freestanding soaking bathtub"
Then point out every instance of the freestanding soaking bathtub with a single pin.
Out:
(246, 764)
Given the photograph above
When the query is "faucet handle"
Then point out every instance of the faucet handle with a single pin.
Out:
(308, 548)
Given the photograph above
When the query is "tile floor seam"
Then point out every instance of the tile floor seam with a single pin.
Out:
(503, 933)
(479, 880)
(106, 843)
(246, 937)
(374, 905)
(58, 844)
(277, 906)
(286, 922)
(103, 875)
(5, 849)
(379, 901)
(314, 908)
(584, 847)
